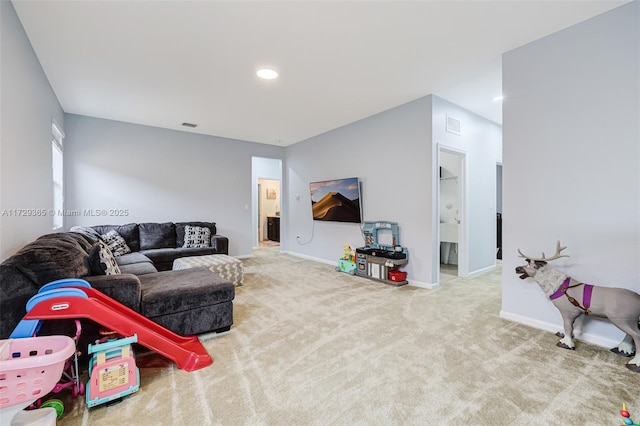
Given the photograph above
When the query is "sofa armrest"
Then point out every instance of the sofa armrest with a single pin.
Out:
(220, 243)
(125, 288)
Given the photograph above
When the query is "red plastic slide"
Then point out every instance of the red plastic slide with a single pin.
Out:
(187, 352)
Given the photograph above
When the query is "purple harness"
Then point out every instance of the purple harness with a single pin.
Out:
(586, 294)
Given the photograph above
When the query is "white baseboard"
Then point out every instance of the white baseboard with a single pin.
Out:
(481, 271)
(304, 256)
(594, 339)
(429, 286)
(328, 262)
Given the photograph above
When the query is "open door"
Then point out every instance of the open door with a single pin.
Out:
(451, 210)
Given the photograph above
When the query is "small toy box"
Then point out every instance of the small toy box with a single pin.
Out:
(397, 276)
(112, 371)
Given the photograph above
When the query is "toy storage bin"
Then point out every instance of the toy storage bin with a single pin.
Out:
(397, 276)
(29, 369)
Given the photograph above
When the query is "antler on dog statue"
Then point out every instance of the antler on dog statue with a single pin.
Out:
(621, 306)
(544, 258)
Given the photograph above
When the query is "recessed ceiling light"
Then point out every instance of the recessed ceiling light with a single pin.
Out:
(498, 98)
(267, 74)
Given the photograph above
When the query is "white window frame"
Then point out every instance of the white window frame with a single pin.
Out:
(57, 167)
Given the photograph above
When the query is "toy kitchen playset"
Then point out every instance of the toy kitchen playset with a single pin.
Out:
(381, 262)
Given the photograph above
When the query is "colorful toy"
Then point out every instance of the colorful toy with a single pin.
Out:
(112, 371)
(29, 369)
(348, 262)
(627, 417)
(70, 372)
(379, 261)
(75, 298)
(70, 379)
(349, 253)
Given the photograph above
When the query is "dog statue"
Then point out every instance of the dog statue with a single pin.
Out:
(573, 298)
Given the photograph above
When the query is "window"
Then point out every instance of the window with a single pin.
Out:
(58, 177)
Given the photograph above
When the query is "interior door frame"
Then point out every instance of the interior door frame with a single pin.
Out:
(463, 230)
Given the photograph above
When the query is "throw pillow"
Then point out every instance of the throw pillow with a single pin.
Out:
(116, 243)
(101, 260)
(196, 236)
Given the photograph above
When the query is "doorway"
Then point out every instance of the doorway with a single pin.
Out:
(451, 210)
(266, 192)
(269, 212)
(499, 211)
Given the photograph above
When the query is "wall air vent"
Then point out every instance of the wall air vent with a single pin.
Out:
(453, 125)
(192, 125)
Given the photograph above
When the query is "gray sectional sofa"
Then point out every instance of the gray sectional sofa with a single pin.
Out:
(187, 302)
(161, 243)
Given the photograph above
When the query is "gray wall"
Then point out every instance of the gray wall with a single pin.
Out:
(572, 161)
(161, 175)
(391, 154)
(28, 105)
(481, 140)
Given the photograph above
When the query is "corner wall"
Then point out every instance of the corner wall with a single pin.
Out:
(391, 154)
(572, 162)
(27, 106)
(481, 140)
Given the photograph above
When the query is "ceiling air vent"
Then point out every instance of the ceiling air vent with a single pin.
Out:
(453, 125)
(192, 125)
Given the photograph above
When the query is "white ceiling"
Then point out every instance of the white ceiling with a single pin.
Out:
(162, 63)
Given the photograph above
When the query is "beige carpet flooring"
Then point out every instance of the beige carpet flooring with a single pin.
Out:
(312, 346)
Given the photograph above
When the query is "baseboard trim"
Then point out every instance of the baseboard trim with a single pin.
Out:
(428, 286)
(594, 339)
(328, 262)
(304, 256)
(480, 271)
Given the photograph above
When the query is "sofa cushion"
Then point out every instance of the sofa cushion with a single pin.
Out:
(102, 261)
(217, 317)
(160, 257)
(135, 263)
(179, 291)
(180, 230)
(157, 235)
(116, 243)
(138, 268)
(125, 288)
(131, 258)
(129, 232)
(196, 236)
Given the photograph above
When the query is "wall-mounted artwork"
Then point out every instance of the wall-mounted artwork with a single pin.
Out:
(271, 194)
(336, 200)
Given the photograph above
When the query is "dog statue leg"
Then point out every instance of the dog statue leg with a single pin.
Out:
(567, 341)
(625, 348)
(630, 326)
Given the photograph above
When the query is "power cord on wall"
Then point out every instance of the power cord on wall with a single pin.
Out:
(302, 243)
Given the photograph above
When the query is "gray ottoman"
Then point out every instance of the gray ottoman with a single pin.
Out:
(227, 267)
